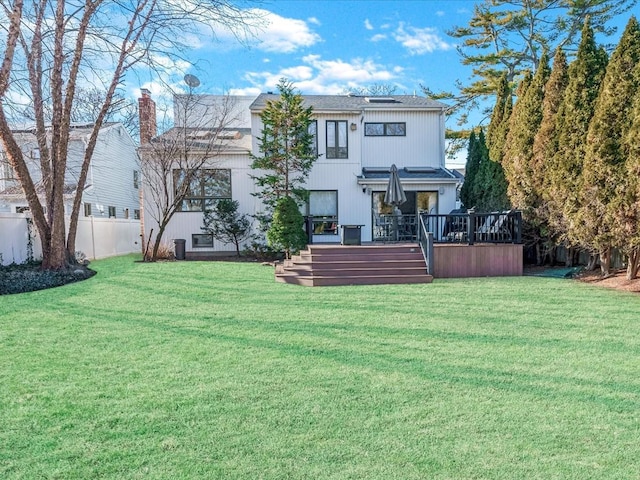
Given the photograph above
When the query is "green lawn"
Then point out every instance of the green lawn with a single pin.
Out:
(212, 370)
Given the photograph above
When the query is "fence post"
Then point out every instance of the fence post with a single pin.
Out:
(430, 253)
(471, 226)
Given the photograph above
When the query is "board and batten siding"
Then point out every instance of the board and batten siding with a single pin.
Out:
(423, 144)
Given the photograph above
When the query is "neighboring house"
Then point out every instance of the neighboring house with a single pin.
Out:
(113, 180)
(357, 139)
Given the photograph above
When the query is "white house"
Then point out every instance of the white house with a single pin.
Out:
(358, 139)
(113, 181)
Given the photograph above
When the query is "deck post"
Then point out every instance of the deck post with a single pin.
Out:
(518, 226)
(430, 262)
(471, 226)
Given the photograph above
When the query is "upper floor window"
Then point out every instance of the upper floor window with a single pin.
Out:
(385, 129)
(205, 187)
(136, 179)
(112, 212)
(87, 209)
(313, 131)
(337, 139)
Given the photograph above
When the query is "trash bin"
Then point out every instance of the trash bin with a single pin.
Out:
(350, 235)
(180, 247)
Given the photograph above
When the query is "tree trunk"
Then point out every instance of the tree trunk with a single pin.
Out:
(593, 262)
(605, 261)
(633, 264)
(568, 261)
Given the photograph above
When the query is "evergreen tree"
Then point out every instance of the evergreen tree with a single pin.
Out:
(470, 172)
(224, 223)
(564, 172)
(286, 156)
(286, 147)
(545, 146)
(629, 214)
(509, 36)
(477, 186)
(523, 125)
(492, 185)
(286, 231)
(521, 177)
(604, 172)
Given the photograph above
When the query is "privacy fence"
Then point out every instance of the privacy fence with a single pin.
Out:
(96, 238)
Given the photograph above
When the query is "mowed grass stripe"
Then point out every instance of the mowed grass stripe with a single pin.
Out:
(213, 370)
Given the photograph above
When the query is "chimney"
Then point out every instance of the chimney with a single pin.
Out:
(147, 113)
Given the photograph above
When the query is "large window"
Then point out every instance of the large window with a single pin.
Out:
(323, 211)
(205, 187)
(337, 139)
(385, 129)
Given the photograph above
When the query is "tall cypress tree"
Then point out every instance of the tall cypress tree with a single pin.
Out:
(572, 123)
(470, 172)
(604, 172)
(545, 146)
(629, 214)
(491, 180)
(525, 122)
(477, 186)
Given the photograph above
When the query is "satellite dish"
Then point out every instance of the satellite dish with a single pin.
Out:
(191, 80)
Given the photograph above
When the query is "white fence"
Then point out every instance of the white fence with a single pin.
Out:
(96, 238)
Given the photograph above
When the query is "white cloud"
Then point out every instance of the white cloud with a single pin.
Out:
(367, 24)
(378, 37)
(283, 35)
(440, 13)
(319, 76)
(314, 21)
(420, 40)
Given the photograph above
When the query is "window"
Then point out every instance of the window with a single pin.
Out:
(323, 210)
(23, 209)
(87, 209)
(136, 179)
(204, 189)
(385, 129)
(201, 240)
(313, 131)
(337, 139)
(136, 214)
(112, 212)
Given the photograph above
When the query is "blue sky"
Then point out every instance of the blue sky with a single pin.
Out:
(327, 46)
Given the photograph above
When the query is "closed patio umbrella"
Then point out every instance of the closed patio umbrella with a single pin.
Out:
(395, 194)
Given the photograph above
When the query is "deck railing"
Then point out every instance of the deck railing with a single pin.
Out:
(471, 227)
(425, 239)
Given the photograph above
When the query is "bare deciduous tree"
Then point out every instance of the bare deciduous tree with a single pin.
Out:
(176, 162)
(52, 48)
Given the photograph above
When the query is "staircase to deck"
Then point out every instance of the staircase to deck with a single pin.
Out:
(324, 265)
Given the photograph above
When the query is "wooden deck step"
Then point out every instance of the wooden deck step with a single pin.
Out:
(324, 265)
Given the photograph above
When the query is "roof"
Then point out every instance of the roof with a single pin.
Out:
(16, 190)
(356, 103)
(27, 133)
(228, 139)
(409, 173)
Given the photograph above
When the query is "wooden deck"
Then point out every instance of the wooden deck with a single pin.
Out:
(324, 265)
(478, 260)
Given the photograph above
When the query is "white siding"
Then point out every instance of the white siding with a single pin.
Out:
(185, 224)
(422, 146)
(110, 179)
